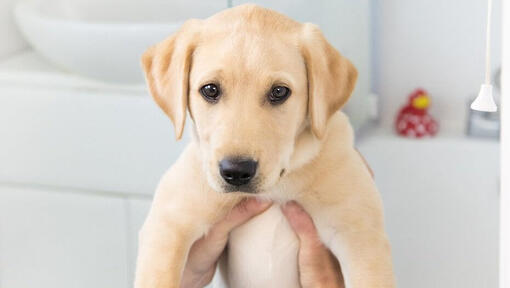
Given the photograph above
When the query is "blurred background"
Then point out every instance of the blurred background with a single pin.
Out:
(82, 145)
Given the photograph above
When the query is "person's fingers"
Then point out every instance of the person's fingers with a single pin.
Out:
(212, 244)
(241, 213)
(301, 223)
(205, 251)
(316, 263)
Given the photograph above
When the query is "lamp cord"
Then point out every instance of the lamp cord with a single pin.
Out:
(488, 76)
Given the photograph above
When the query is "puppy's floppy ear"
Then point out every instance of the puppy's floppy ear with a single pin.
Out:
(167, 67)
(331, 77)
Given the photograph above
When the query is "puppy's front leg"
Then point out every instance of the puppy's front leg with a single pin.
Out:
(363, 251)
(366, 261)
(182, 211)
(163, 249)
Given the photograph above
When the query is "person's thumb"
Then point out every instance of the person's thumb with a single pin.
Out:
(301, 223)
(316, 263)
(205, 251)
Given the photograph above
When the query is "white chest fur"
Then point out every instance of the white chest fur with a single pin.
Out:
(263, 253)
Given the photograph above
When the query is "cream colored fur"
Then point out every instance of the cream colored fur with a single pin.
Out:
(304, 148)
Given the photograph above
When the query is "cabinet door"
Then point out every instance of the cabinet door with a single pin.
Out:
(61, 239)
(346, 24)
(138, 209)
(441, 209)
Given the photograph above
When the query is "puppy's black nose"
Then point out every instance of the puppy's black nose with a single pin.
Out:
(237, 172)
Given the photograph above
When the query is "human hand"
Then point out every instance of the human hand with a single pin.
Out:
(204, 253)
(318, 267)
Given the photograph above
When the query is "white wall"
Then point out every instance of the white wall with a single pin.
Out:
(10, 39)
(437, 45)
(504, 270)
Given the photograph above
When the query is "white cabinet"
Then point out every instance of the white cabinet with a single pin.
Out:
(109, 145)
(347, 25)
(441, 208)
(138, 209)
(60, 239)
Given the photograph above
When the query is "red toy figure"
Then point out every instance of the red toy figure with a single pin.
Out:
(413, 119)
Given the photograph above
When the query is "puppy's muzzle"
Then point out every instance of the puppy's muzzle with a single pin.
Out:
(238, 171)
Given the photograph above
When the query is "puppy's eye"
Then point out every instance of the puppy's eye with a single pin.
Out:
(278, 94)
(211, 92)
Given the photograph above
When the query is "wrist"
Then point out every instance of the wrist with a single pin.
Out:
(191, 279)
(332, 284)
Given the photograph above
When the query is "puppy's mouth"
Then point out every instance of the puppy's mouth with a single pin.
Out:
(248, 188)
(252, 187)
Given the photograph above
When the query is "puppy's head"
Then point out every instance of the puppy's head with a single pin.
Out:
(253, 81)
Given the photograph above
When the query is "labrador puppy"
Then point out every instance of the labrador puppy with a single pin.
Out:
(264, 94)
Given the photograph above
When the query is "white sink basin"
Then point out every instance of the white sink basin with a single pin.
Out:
(104, 39)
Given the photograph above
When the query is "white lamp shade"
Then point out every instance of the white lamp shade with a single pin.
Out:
(484, 102)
